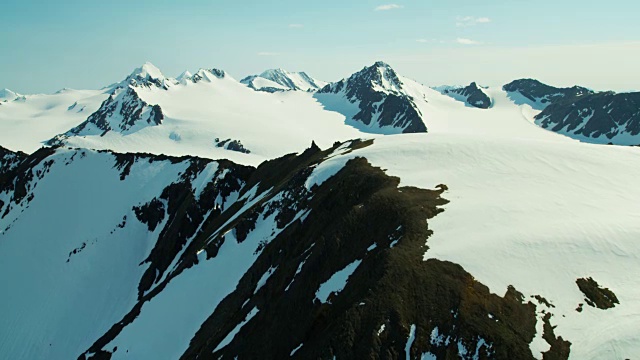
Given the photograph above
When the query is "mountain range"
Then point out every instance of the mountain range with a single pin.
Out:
(280, 216)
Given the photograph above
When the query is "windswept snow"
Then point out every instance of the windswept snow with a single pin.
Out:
(61, 301)
(235, 330)
(410, 340)
(337, 282)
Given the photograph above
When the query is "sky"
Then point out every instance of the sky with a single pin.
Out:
(48, 45)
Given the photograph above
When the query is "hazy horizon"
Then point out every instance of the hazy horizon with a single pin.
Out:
(88, 45)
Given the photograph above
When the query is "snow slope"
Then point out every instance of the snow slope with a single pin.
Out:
(29, 121)
(59, 307)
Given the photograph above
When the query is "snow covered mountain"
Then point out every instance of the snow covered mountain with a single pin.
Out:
(274, 80)
(192, 258)
(606, 118)
(487, 237)
(375, 100)
(580, 113)
(472, 95)
(539, 95)
(191, 115)
(7, 95)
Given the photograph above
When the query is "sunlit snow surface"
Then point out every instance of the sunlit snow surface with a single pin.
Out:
(529, 208)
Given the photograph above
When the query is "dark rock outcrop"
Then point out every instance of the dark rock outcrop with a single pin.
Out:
(233, 145)
(394, 304)
(472, 95)
(123, 111)
(595, 295)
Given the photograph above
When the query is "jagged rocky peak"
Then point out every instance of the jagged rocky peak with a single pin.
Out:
(208, 75)
(378, 77)
(147, 75)
(540, 95)
(123, 111)
(10, 159)
(385, 106)
(472, 95)
(275, 80)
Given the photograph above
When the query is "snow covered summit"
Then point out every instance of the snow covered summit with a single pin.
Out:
(146, 75)
(273, 80)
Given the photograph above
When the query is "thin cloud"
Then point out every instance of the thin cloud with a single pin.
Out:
(464, 41)
(296, 26)
(464, 21)
(431, 41)
(267, 53)
(388, 7)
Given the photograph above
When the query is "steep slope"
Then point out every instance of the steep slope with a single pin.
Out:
(78, 245)
(374, 100)
(539, 95)
(600, 118)
(274, 80)
(204, 258)
(471, 95)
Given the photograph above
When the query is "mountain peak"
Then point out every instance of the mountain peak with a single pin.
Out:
(381, 63)
(279, 79)
(147, 70)
(146, 75)
(539, 95)
(6, 94)
(186, 75)
(381, 76)
(272, 72)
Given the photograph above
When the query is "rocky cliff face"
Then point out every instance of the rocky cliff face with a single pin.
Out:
(218, 260)
(601, 117)
(382, 103)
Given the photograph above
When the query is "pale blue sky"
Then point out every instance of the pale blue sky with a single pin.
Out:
(47, 45)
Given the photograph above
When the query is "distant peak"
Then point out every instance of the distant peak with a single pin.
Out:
(147, 71)
(270, 72)
(216, 72)
(186, 75)
(381, 64)
(8, 94)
